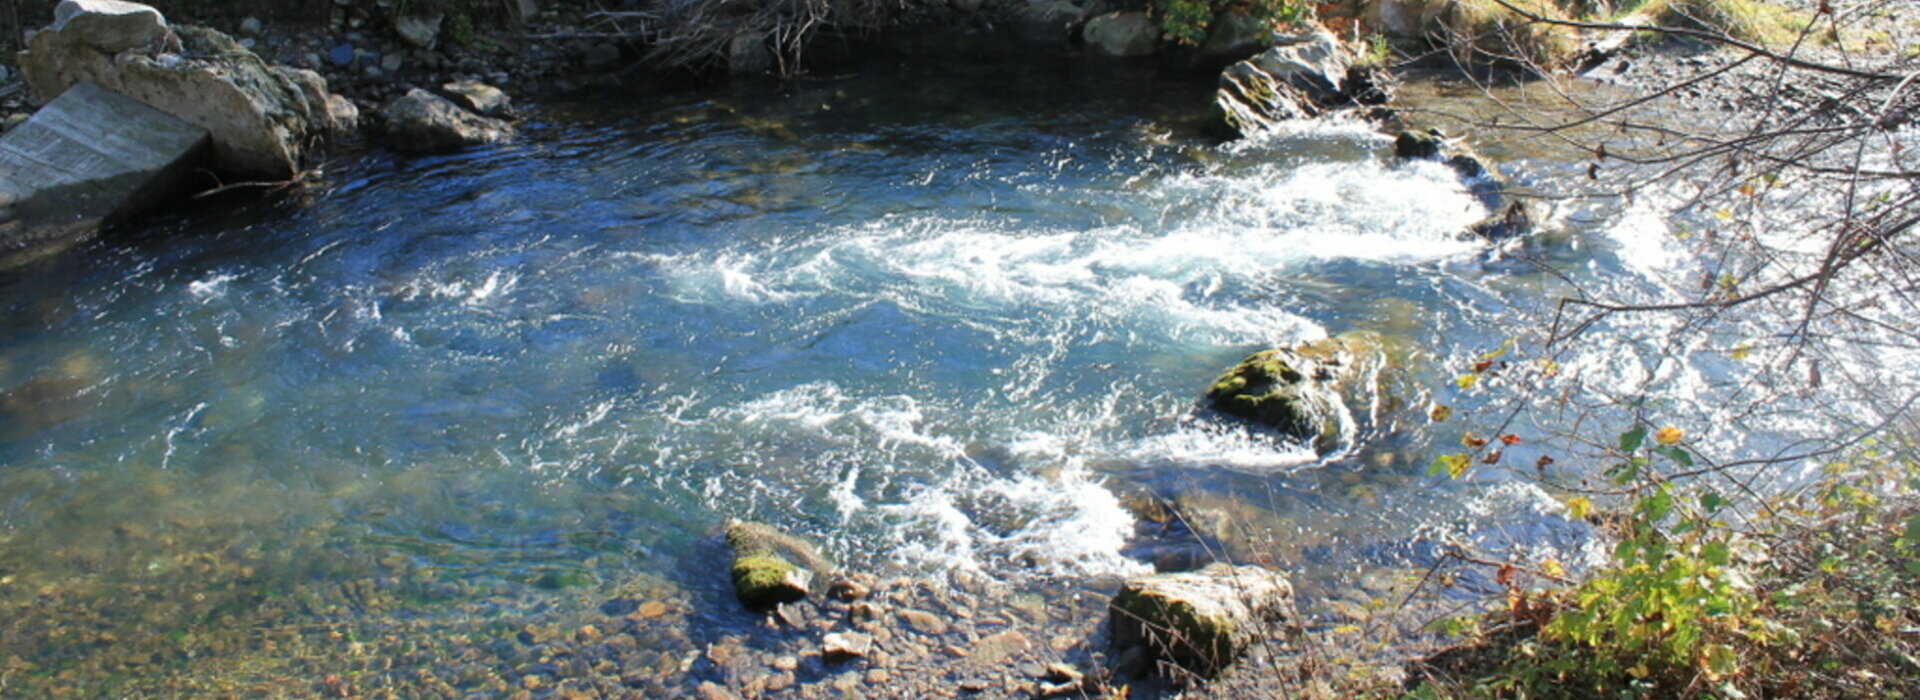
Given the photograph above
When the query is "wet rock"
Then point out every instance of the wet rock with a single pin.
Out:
(712, 691)
(1303, 75)
(1509, 223)
(423, 122)
(420, 30)
(924, 622)
(1122, 34)
(1201, 620)
(1419, 144)
(841, 647)
(480, 98)
(974, 685)
(392, 63)
(771, 567)
(262, 118)
(1304, 391)
(847, 590)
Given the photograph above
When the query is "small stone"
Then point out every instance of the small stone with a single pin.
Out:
(1061, 673)
(845, 646)
(924, 622)
(619, 606)
(251, 27)
(786, 663)
(341, 55)
(712, 691)
(878, 676)
(419, 30)
(586, 633)
(393, 62)
(975, 685)
(653, 608)
(863, 612)
(847, 590)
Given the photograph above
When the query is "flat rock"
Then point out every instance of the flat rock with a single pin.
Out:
(479, 98)
(845, 646)
(87, 159)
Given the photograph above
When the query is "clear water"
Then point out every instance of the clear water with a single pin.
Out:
(937, 316)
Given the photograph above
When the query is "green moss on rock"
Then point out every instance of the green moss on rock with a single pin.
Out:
(1200, 620)
(771, 567)
(1312, 391)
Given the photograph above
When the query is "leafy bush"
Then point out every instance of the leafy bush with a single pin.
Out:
(1187, 21)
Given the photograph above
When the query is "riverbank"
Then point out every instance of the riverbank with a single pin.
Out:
(408, 629)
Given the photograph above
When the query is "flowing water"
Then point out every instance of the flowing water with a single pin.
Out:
(936, 316)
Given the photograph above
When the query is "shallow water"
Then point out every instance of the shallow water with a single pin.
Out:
(929, 314)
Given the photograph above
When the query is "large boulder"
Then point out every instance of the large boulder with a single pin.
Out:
(1202, 620)
(1303, 74)
(422, 122)
(771, 567)
(86, 160)
(1321, 392)
(1045, 19)
(1122, 34)
(263, 119)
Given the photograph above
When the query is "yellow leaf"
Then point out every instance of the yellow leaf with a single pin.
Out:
(1741, 351)
(1667, 436)
(1457, 465)
(1578, 507)
(1466, 381)
(1549, 368)
(1723, 214)
(1440, 413)
(1553, 568)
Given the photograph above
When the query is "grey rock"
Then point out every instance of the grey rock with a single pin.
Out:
(420, 30)
(1046, 19)
(85, 160)
(393, 62)
(1419, 144)
(1199, 620)
(251, 27)
(1122, 34)
(1318, 391)
(841, 647)
(1302, 75)
(262, 118)
(479, 98)
(771, 567)
(110, 26)
(747, 54)
(1234, 36)
(341, 55)
(423, 122)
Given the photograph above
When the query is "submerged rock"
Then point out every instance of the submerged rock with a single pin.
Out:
(263, 119)
(1122, 34)
(1510, 219)
(1304, 391)
(423, 122)
(1200, 620)
(771, 567)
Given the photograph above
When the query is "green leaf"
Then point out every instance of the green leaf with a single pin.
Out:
(1712, 502)
(1716, 553)
(1657, 506)
(1912, 535)
(1631, 440)
(1913, 567)
(1679, 456)
(1453, 465)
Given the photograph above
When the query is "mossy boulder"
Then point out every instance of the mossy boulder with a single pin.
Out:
(771, 567)
(1419, 144)
(1315, 391)
(1201, 621)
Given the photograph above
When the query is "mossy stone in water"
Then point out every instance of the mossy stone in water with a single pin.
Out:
(1281, 389)
(771, 567)
(1200, 620)
(1419, 144)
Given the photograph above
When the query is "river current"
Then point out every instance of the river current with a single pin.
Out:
(937, 316)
